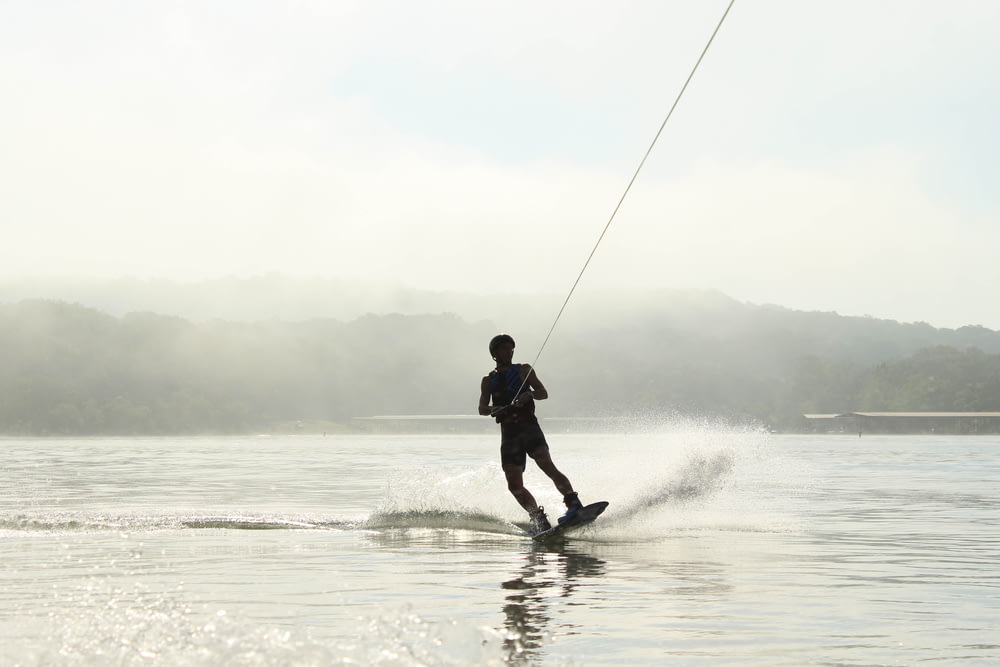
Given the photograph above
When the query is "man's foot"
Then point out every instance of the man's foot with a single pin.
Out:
(539, 522)
(573, 505)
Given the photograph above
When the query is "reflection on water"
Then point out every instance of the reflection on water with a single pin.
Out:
(548, 572)
(546, 577)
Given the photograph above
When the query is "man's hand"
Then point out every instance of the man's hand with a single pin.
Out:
(522, 399)
(518, 402)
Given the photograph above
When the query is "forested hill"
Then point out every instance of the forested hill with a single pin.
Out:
(69, 369)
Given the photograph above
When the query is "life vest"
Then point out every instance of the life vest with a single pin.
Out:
(504, 387)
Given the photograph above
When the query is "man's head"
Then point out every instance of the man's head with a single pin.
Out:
(499, 341)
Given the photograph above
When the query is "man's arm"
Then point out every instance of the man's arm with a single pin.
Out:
(484, 397)
(537, 388)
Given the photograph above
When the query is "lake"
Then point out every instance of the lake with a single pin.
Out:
(720, 547)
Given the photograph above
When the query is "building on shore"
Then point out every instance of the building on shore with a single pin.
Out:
(962, 423)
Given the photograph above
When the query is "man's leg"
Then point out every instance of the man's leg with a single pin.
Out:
(515, 484)
(570, 498)
(545, 464)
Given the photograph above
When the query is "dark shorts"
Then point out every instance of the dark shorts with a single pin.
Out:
(517, 444)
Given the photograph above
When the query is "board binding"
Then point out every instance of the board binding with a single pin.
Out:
(583, 517)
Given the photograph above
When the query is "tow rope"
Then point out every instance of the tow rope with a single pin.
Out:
(627, 188)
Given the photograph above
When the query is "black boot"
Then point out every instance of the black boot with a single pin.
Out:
(573, 505)
(539, 522)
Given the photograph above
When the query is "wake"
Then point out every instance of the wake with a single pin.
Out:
(457, 520)
(657, 484)
(696, 479)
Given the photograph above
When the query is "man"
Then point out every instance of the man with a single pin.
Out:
(513, 389)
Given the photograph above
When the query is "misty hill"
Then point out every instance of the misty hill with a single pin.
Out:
(70, 368)
(256, 298)
(289, 298)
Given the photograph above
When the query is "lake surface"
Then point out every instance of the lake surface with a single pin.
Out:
(719, 548)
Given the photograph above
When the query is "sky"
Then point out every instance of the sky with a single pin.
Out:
(826, 156)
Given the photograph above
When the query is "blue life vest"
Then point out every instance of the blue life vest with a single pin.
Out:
(504, 387)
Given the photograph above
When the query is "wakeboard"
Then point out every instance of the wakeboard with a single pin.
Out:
(580, 519)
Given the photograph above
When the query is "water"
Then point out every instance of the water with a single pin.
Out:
(719, 548)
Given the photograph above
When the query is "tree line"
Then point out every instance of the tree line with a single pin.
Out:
(71, 370)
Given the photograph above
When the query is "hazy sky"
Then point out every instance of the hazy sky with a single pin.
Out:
(827, 156)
